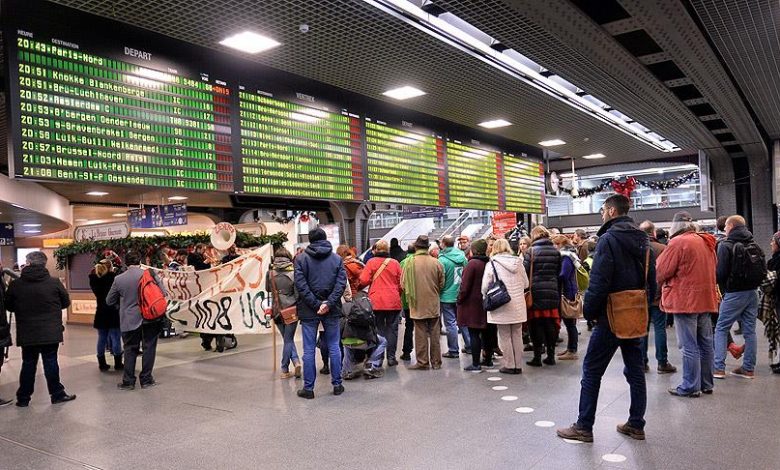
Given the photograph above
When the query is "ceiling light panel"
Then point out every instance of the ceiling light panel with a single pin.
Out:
(250, 42)
(404, 93)
(495, 123)
(551, 143)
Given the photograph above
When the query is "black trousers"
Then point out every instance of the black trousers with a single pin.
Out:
(51, 370)
(478, 341)
(408, 346)
(489, 340)
(148, 333)
(544, 334)
(387, 324)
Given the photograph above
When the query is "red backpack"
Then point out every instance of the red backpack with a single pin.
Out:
(151, 299)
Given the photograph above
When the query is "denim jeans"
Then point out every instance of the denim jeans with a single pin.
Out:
(332, 337)
(737, 306)
(111, 337)
(51, 370)
(289, 351)
(603, 345)
(449, 320)
(375, 355)
(387, 325)
(658, 320)
(694, 338)
(571, 333)
(464, 331)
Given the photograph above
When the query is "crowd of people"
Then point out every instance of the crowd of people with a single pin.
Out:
(491, 299)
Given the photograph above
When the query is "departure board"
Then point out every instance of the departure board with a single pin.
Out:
(473, 177)
(91, 118)
(289, 149)
(523, 184)
(404, 167)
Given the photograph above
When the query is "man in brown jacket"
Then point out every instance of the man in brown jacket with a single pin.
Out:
(580, 240)
(656, 315)
(422, 281)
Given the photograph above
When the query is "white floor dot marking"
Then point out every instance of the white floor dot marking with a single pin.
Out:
(544, 424)
(500, 388)
(524, 410)
(572, 441)
(494, 379)
(509, 398)
(616, 458)
(492, 371)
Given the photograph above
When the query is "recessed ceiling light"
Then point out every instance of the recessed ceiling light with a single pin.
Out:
(495, 123)
(178, 198)
(97, 193)
(31, 225)
(32, 231)
(119, 214)
(250, 42)
(595, 156)
(551, 143)
(404, 93)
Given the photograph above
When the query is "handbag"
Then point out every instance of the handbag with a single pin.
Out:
(529, 297)
(571, 309)
(497, 294)
(627, 310)
(290, 314)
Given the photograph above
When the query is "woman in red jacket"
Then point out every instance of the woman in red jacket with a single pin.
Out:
(383, 274)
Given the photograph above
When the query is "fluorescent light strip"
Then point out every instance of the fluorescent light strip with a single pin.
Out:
(445, 32)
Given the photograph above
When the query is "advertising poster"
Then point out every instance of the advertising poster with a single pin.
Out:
(158, 216)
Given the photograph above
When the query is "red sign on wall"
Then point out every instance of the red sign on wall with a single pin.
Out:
(503, 222)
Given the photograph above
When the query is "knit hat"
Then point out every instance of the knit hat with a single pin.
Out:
(422, 242)
(682, 221)
(479, 248)
(317, 234)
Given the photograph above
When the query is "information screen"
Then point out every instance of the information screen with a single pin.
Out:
(91, 118)
(404, 167)
(523, 185)
(473, 176)
(288, 149)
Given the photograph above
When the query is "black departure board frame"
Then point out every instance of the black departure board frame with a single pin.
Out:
(93, 100)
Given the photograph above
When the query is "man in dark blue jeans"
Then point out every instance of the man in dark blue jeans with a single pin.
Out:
(320, 280)
(619, 265)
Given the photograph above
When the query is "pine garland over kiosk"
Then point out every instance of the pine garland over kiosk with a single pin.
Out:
(151, 246)
(627, 187)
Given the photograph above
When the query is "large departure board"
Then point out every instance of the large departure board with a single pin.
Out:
(289, 149)
(473, 176)
(90, 118)
(404, 166)
(523, 184)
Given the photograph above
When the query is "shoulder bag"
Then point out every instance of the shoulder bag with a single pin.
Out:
(381, 268)
(497, 294)
(290, 314)
(571, 309)
(627, 310)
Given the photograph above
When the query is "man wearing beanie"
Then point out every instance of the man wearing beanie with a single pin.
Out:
(320, 280)
(422, 281)
(685, 272)
(741, 269)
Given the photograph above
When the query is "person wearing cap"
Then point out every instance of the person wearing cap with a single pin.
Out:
(422, 281)
(320, 280)
(685, 272)
(464, 245)
(738, 276)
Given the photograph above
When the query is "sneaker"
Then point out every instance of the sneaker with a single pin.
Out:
(576, 434)
(287, 375)
(348, 376)
(391, 362)
(298, 371)
(337, 390)
(535, 362)
(150, 384)
(631, 432)
(473, 368)
(568, 356)
(498, 352)
(736, 351)
(325, 370)
(125, 386)
(707, 392)
(678, 393)
(486, 362)
(719, 374)
(666, 369)
(451, 355)
(406, 357)
(63, 399)
(5, 402)
(549, 360)
(466, 350)
(373, 372)
(740, 372)
(307, 394)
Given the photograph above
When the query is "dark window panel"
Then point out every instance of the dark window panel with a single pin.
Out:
(638, 43)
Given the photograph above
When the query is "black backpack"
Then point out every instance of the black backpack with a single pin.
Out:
(361, 315)
(748, 266)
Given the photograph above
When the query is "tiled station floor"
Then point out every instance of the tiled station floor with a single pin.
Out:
(232, 411)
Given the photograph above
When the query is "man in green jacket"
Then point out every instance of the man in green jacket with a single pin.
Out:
(453, 260)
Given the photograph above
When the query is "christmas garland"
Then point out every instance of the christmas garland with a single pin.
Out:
(627, 187)
(154, 245)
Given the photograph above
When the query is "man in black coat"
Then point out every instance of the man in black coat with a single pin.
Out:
(37, 299)
(619, 265)
(5, 330)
